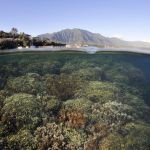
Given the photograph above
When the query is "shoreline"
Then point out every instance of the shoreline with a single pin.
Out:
(90, 50)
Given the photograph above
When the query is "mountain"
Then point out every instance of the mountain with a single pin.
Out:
(79, 36)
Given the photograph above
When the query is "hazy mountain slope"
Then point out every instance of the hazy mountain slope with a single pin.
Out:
(71, 36)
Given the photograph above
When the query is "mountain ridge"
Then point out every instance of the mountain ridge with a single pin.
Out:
(84, 37)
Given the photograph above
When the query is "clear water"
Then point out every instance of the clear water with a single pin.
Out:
(74, 100)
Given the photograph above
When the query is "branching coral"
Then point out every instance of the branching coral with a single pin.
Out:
(82, 104)
(3, 95)
(137, 138)
(74, 101)
(51, 137)
(76, 138)
(140, 111)
(99, 92)
(23, 139)
(30, 83)
(127, 74)
(20, 110)
(113, 113)
(43, 67)
(92, 74)
(73, 118)
(63, 87)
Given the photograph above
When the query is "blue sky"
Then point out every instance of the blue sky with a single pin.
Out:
(128, 19)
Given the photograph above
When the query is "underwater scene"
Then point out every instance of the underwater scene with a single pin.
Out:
(72, 100)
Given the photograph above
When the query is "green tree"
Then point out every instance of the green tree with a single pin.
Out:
(25, 39)
(14, 32)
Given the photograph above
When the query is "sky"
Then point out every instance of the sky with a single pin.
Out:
(126, 19)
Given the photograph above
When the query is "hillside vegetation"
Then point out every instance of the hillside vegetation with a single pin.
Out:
(84, 37)
(13, 39)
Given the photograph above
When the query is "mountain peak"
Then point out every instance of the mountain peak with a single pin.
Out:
(80, 36)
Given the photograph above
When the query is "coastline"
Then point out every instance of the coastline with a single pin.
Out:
(90, 50)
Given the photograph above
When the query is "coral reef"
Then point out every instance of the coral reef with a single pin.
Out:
(92, 74)
(73, 118)
(113, 114)
(51, 137)
(137, 138)
(76, 138)
(44, 67)
(63, 87)
(99, 92)
(30, 83)
(81, 103)
(23, 139)
(20, 110)
(74, 101)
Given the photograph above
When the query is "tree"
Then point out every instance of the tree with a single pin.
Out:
(25, 39)
(14, 31)
(8, 44)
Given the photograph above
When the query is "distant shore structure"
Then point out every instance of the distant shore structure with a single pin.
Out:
(73, 45)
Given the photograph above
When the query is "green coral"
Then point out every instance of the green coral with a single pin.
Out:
(20, 110)
(68, 68)
(76, 139)
(30, 83)
(112, 113)
(112, 142)
(75, 65)
(53, 104)
(95, 74)
(3, 95)
(44, 67)
(140, 108)
(51, 136)
(22, 139)
(63, 87)
(137, 138)
(126, 74)
(81, 103)
(74, 101)
(99, 92)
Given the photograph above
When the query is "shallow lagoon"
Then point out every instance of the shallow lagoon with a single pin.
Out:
(74, 100)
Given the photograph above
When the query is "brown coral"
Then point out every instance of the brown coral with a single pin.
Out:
(73, 118)
(98, 129)
(96, 132)
(91, 144)
(50, 136)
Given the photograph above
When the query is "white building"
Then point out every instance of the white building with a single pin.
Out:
(73, 45)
